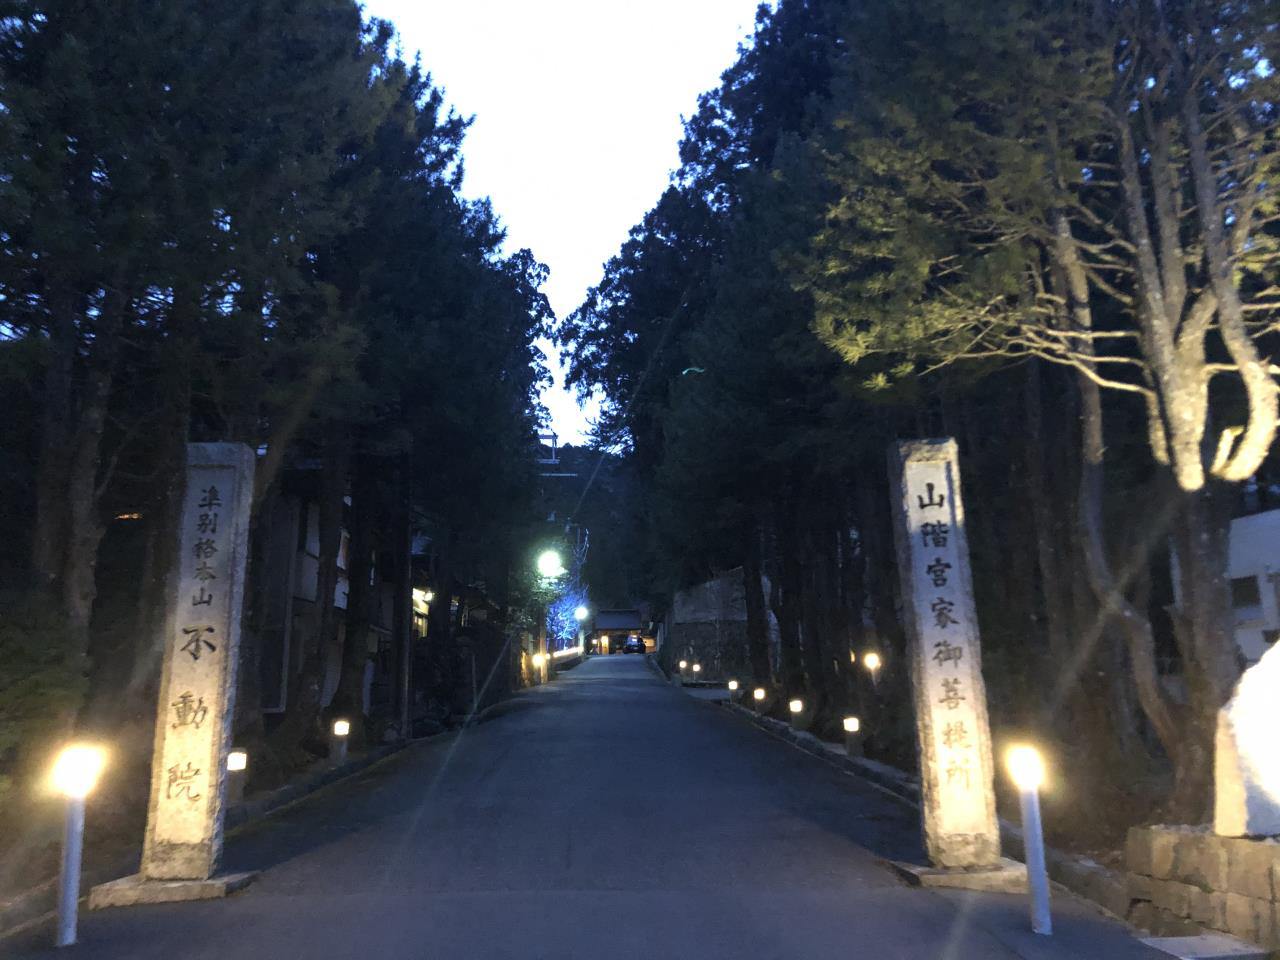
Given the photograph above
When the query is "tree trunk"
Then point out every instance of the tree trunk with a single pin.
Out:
(301, 717)
(402, 611)
(1204, 621)
(349, 698)
(1048, 557)
(784, 598)
(757, 615)
(51, 531)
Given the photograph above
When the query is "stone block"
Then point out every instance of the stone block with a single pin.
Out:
(1141, 915)
(1164, 844)
(1208, 908)
(1251, 919)
(1166, 924)
(1246, 768)
(1200, 859)
(1139, 887)
(1251, 867)
(1137, 850)
(1007, 876)
(1173, 897)
(137, 889)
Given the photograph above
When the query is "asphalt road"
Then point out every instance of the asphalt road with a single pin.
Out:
(611, 816)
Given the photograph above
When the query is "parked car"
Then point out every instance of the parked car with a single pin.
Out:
(633, 645)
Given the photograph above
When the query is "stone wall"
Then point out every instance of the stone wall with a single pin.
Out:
(1184, 877)
(708, 625)
(720, 646)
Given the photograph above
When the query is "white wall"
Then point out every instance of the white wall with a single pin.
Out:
(1255, 552)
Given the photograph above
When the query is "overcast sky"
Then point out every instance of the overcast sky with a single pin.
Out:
(577, 108)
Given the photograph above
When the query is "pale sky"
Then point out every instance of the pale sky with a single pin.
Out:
(577, 108)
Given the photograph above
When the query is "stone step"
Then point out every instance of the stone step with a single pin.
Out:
(1208, 946)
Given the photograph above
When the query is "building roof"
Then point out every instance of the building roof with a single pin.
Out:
(618, 620)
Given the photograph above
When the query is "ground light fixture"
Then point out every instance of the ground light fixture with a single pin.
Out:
(852, 737)
(237, 770)
(338, 740)
(75, 773)
(758, 694)
(733, 686)
(1026, 769)
(871, 661)
(796, 706)
(697, 668)
(684, 664)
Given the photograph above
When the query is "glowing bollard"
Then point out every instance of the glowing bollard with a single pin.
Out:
(237, 771)
(1027, 770)
(734, 692)
(75, 774)
(697, 671)
(796, 707)
(758, 696)
(338, 741)
(852, 737)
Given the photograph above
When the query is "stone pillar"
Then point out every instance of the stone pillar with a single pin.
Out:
(197, 687)
(956, 766)
(198, 683)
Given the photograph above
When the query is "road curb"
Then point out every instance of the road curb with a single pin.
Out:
(1086, 878)
(37, 905)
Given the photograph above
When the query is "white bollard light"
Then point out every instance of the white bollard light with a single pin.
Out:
(338, 741)
(237, 771)
(697, 669)
(75, 773)
(758, 696)
(796, 707)
(852, 737)
(1027, 770)
(733, 690)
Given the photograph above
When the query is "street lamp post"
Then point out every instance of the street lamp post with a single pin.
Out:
(1027, 770)
(75, 774)
(550, 568)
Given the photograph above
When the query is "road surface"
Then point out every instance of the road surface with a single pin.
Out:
(609, 817)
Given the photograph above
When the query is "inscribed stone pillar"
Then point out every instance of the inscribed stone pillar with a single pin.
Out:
(956, 768)
(198, 682)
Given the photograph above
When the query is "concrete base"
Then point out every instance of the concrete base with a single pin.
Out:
(1211, 946)
(128, 891)
(1008, 876)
